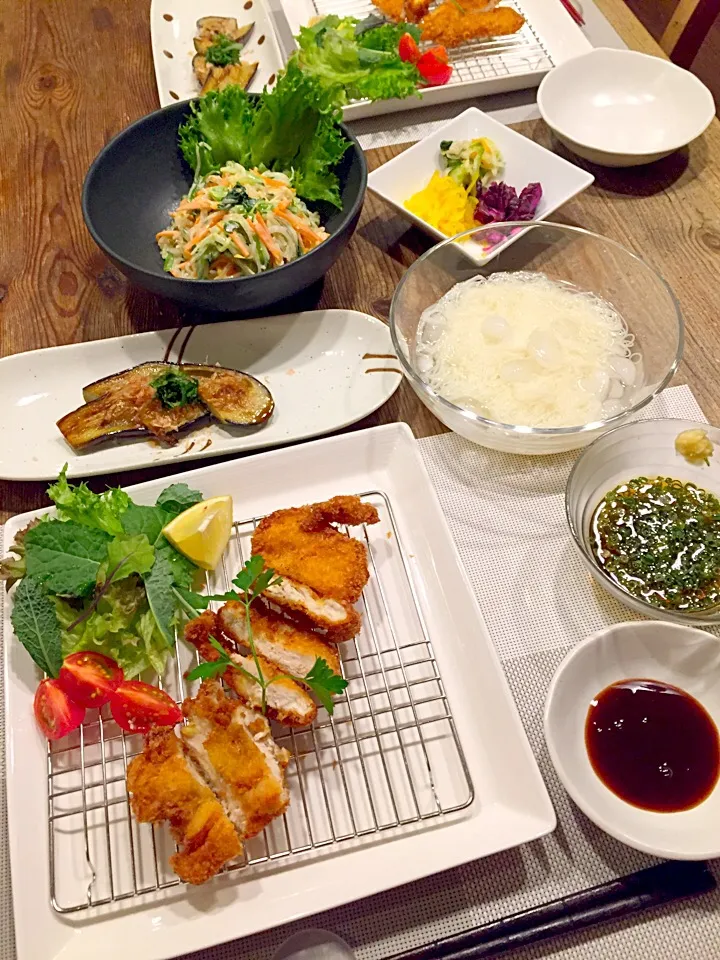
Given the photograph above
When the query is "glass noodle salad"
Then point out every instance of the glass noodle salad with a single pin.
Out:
(238, 222)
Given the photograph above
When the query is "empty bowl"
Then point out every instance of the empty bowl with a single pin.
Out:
(668, 654)
(645, 448)
(619, 108)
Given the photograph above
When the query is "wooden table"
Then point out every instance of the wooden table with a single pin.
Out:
(75, 76)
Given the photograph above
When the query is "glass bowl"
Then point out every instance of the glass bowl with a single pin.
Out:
(645, 448)
(566, 254)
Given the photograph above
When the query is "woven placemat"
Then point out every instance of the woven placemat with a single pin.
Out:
(506, 515)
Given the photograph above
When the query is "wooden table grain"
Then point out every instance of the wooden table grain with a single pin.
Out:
(76, 73)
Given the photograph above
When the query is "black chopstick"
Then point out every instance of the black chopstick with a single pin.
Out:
(616, 900)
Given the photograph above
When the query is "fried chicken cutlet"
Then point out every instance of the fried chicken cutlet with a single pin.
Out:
(232, 746)
(165, 786)
(451, 26)
(276, 639)
(324, 571)
(287, 702)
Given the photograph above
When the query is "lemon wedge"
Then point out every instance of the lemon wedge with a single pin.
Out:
(203, 531)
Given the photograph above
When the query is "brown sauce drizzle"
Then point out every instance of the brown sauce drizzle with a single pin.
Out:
(383, 370)
(167, 16)
(183, 348)
(171, 344)
(168, 54)
(379, 356)
(173, 95)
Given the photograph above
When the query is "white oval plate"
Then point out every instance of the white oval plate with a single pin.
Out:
(172, 43)
(649, 650)
(325, 369)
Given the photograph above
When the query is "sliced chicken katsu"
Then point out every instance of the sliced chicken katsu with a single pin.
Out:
(286, 646)
(324, 571)
(232, 746)
(340, 621)
(287, 702)
(165, 786)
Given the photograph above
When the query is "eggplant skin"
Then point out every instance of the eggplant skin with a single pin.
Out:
(124, 404)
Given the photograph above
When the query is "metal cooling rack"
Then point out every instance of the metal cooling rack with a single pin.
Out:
(389, 757)
(478, 60)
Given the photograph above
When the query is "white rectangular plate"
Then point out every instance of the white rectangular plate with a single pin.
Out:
(525, 162)
(510, 805)
(313, 363)
(173, 26)
(481, 68)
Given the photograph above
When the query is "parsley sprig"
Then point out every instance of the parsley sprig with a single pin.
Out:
(252, 580)
(223, 51)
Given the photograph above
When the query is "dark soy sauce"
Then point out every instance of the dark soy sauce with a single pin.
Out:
(653, 745)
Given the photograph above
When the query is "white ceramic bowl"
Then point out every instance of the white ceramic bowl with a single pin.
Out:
(645, 448)
(655, 650)
(619, 108)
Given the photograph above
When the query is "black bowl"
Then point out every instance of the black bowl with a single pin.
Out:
(140, 176)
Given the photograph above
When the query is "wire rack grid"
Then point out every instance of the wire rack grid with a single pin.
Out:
(388, 758)
(476, 60)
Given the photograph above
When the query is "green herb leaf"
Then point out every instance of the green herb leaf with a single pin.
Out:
(175, 389)
(208, 670)
(324, 683)
(99, 510)
(148, 520)
(66, 556)
(176, 498)
(36, 625)
(159, 585)
(127, 555)
(223, 51)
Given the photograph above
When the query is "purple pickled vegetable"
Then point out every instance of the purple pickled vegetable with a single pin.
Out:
(499, 202)
(493, 202)
(528, 202)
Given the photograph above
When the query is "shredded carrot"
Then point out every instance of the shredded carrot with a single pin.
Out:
(306, 232)
(264, 234)
(167, 233)
(194, 241)
(274, 183)
(201, 203)
(244, 252)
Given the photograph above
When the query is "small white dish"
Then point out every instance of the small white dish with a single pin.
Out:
(668, 653)
(173, 25)
(525, 162)
(325, 369)
(314, 945)
(620, 108)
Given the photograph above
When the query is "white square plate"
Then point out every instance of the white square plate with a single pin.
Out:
(508, 806)
(525, 162)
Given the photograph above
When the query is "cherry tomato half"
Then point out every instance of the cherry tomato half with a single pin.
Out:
(55, 712)
(439, 51)
(434, 71)
(138, 707)
(90, 678)
(408, 50)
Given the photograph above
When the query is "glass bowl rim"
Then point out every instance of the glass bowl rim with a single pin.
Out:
(424, 389)
(697, 617)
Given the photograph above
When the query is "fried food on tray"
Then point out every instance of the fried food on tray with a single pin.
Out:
(415, 10)
(317, 562)
(165, 786)
(451, 26)
(287, 702)
(454, 22)
(339, 620)
(285, 645)
(232, 746)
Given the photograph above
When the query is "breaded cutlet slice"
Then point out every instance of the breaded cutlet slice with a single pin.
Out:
(287, 702)
(285, 645)
(232, 746)
(164, 786)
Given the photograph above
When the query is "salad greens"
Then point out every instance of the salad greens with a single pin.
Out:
(356, 59)
(100, 576)
(293, 128)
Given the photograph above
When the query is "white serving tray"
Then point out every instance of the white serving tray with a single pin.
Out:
(173, 26)
(548, 38)
(510, 805)
(313, 363)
